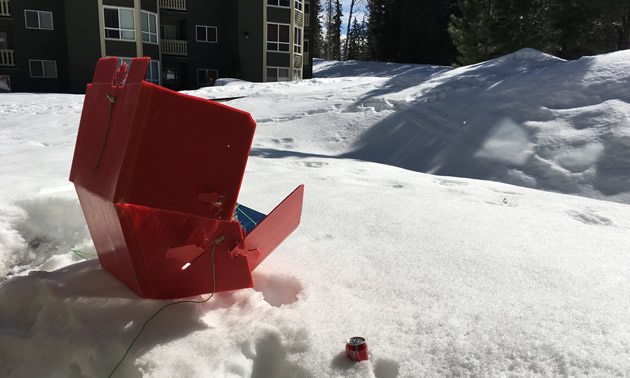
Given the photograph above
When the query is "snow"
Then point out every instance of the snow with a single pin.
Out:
(467, 221)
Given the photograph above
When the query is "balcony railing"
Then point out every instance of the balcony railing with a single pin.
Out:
(307, 20)
(297, 61)
(298, 19)
(6, 58)
(179, 5)
(174, 47)
(306, 61)
(4, 8)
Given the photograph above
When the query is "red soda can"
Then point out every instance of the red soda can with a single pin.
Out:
(356, 349)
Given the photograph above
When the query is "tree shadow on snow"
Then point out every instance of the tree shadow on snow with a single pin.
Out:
(271, 153)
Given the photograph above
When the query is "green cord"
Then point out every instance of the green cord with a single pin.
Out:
(80, 253)
(111, 99)
(214, 285)
(242, 212)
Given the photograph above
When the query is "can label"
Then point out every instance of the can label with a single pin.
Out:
(356, 349)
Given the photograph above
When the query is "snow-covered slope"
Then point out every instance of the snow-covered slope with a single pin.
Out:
(444, 276)
(527, 119)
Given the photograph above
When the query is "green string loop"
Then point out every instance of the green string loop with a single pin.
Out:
(242, 212)
(112, 100)
(81, 254)
(214, 285)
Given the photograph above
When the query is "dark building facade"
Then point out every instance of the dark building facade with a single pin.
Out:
(53, 45)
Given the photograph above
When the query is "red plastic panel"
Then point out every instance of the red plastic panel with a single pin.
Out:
(104, 71)
(138, 70)
(107, 234)
(104, 133)
(183, 147)
(151, 235)
(272, 231)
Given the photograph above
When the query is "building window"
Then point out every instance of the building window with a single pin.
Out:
(38, 19)
(277, 74)
(297, 40)
(279, 3)
(206, 77)
(206, 34)
(297, 74)
(277, 37)
(119, 23)
(5, 83)
(149, 27)
(4, 42)
(127, 61)
(169, 31)
(43, 68)
(307, 7)
(153, 72)
(298, 4)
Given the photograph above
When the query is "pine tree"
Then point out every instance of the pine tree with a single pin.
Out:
(327, 45)
(616, 14)
(622, 24)
(316, 41)
(490, 28)
(335, 43)
(348, 29)
(485, 29)
(357, 41)
(422, 35)
(381, 37)
(411, 31)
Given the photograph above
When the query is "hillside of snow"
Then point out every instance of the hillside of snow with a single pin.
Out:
(469, 221)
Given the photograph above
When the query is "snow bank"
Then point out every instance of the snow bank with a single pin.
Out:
(527, 119)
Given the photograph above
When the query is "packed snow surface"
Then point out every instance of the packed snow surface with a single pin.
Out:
(467, 222)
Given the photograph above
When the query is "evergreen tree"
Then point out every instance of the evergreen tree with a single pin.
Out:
(327, 45)
(470, 30)
(621, 22)
(485, 29)
(616, 14)
(316, 41)
(335, 42)
(381, 36)
(587, 28)
(422, 31)
(357, 41)
(410, 31)
(348, 29)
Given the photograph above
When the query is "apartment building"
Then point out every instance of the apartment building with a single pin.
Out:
(53, 45)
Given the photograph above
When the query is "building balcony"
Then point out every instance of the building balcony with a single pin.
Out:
(298, 18)
(297, 61)
(178, 5)
(174, 47)
(6, 58)
(4, 8)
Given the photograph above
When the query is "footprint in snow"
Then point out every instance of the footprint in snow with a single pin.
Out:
(315, 164)
(590, 218)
